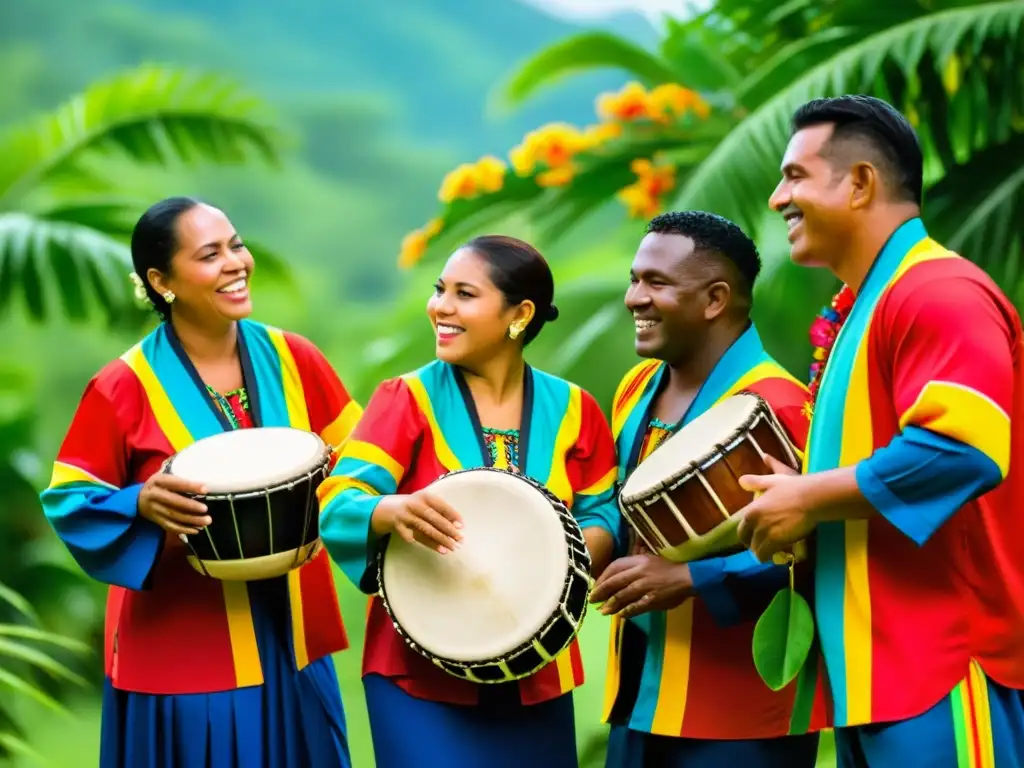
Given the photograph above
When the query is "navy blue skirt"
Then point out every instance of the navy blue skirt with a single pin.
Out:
(415, 733)
(294, 720)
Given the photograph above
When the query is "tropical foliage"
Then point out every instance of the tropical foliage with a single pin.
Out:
(705, 120)
(64, 221)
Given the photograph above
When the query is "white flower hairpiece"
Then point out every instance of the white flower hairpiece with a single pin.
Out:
(140, 287)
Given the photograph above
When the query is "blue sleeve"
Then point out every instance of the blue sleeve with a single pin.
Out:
(921, 478)
(102, 530)
(599, 510)
(736, 587)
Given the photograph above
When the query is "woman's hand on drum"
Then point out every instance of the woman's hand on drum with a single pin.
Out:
(642, 583)
(419, 517)
(161, 501)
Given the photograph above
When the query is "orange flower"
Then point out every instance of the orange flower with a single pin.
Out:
(638, 202)
(414, 245)
(458, 184)
(551, 147)
(557, 177)
(671, 101)
(627, 105)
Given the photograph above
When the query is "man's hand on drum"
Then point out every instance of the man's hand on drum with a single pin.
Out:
(642, 583)
(419, 517)
(779, 515)
(163, 502)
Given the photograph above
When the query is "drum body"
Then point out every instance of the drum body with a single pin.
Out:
(261, 494)
(682, 498)
(509, 599)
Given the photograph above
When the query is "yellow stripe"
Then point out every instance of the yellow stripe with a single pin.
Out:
(500, 448)
(675, 671)
(335, 484)
(244, 651)
(291, 381)
(765, 370)
(614, 670)
(642, 372)
(857, 444)
(298, 620)
(170, 423)
(338, 431)
(926, 250)
(566, 679)
(982, 716)
(64, 473)
(602, 485)
(964, 414)
(373, 454)
(441, 450)
(568, 434)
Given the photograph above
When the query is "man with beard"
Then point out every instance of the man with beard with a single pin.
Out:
(913, 471)
(682, 686)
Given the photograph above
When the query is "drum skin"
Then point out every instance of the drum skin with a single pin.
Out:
(261, 532)
(702, 506)
(558, 630)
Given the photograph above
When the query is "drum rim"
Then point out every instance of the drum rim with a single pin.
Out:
(693, 466)
(435, 658)
(320, 466)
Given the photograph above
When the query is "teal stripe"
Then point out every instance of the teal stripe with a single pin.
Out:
(266, 366)
(190, 403)
(650, 681)
(373, 475)
(826, 441)
(450, 412)
(550, 404)
(66, 499)
(746, 353)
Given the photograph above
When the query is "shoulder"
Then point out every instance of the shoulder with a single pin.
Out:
(550, 385)
(635, 380)
(943, 292)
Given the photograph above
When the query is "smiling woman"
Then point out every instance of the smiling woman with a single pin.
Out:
(193, 663)
(477, 405)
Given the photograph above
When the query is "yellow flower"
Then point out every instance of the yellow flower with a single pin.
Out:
(490, 174)
(639, 203)
(414, 245)
(671, 101)
(627, 105)
(433, 228)
(458, 184)
(557, 177)
(551, 146)
(596, 135)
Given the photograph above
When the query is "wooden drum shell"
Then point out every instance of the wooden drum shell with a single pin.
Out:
(691, 517)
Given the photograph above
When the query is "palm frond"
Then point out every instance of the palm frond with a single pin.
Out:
(40, 257)
(585, 52)
(150, 114)
(990, 189)
(905, 64)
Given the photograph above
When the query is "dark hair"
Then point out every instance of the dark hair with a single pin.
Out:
(713, 234)
(877, 126)
(520, 273)
(154, 241)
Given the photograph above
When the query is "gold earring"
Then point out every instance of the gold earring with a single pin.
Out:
(514, 330)
(169, 296)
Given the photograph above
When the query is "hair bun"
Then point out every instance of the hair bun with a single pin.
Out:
(552, 313)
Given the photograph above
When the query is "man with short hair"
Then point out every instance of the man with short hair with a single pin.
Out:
(912, 484)
(682, 689)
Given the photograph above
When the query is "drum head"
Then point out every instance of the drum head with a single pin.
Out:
(499, 587)
(691, 444)
(248, 459)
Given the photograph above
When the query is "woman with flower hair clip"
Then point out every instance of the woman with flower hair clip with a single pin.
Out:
(199, 672)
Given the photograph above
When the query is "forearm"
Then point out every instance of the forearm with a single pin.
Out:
(836, 495)
(347, 531)
(601, 546)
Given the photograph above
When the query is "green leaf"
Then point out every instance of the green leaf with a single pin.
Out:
(37, 658)
(20, 686)
(16, 601)
(782, 639)
(42, 636)
(585, 52)
(18, 746)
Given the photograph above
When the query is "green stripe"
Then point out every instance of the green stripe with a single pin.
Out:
(963, 746)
